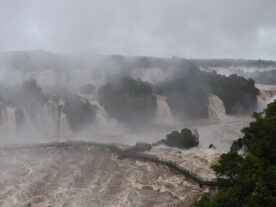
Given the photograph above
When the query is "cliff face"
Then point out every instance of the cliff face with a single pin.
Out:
(129, 101)
(50, 96)
(186, 87)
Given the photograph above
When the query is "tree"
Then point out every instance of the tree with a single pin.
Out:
(228, 167)
(185, 139)
(129, 101)
(79, 114)
(253, 175)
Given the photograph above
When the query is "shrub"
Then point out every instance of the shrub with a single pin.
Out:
(184, 140)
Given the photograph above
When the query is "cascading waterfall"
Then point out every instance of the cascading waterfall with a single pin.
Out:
(266, 96)
(7, 120)
(47, 121)
(56, 120)
(28, 124)
(63, 127)
(11, 121)
(163, 112)
(52, 118)
(216, 107)
(102, 118)
(262, 100)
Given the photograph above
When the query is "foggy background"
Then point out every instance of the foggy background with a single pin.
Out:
(122, 71)
(54, 51)
(187, 28)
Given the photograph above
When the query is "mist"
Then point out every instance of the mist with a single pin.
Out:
(191, 29)
(131, 103)
(124, 99)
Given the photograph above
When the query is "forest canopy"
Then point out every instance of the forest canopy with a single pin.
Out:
(252, 175)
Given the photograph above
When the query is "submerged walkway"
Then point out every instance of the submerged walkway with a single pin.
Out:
(122, 152)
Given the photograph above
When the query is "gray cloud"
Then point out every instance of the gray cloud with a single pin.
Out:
(186, 28)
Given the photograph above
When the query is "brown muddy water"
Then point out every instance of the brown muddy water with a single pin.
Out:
(70, 177)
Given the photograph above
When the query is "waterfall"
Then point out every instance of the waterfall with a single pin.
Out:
(63, 126)
(266, 96)
(11, 121)
(52, 118)
(163, 112)
(216, 107)
(56, 121)
(262, 100)
(7, 120)
(28, 124)
(45, 121)
(102, 118)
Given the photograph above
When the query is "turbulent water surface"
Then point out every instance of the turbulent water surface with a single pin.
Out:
(90, 177)
(70, 177)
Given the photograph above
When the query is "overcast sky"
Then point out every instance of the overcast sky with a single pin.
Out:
(185, 28)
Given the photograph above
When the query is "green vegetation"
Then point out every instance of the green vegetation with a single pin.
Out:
(129, 101)
(31, 94)
(237, 93)
(252, 176)
(188, 90)
(184, 140)
(79, 113)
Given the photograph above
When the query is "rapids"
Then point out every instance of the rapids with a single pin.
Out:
(88, 177)
(93, 177)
